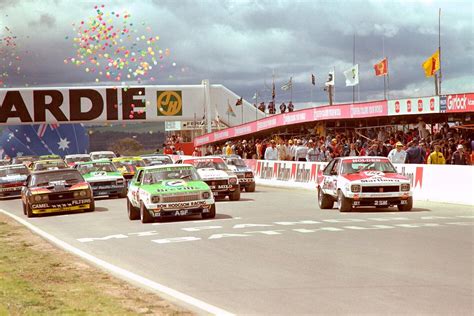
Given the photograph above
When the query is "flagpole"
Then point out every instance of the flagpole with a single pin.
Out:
(384, 77)
(291, 89)
(256, 105)
(353, 63)
(334, 86)
(388, 82)
(242, 110)
(439, 47)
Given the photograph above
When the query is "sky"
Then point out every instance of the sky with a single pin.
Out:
(243, 44)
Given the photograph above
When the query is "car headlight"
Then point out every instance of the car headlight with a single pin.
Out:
(233, 180)
(155, 199)
(206, 195)
(405, 187)
(40, 198)
(37, 198)
(355, 188)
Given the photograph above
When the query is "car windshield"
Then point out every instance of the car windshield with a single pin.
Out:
(158, 175)
(52, 165)
(102, 156)
(51, 178)
(4, 162)
(123, 163)
(217, 164)
(77, 159)
(21, 170)
(96, 167)
(358, 165)
(158, 160)
(236, 162)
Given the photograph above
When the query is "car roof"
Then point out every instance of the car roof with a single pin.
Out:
(166, 166)
(93, 161)
(76, 155)
(54, 171)
(48, 160)
(102, 152)
(13, 166)
(363, 157)
(126, 158)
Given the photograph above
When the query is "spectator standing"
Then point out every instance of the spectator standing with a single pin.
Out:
(291, 150)
(301, 151)
(271, 153)
(354, 151)
(228, 149)
(436, 157)
(282, 150)
(258, 150)
(283, 107)
(291, 107)
(373, 150)
(313, 151)
(196, 152)
(397, 155)
(459, 156)
(415, 154)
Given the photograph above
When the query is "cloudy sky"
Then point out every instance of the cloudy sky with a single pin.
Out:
(240, 43)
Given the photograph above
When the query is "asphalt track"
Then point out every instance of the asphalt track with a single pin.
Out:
(276, 252)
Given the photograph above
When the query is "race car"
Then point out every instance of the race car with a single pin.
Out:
(243, 172)
(50, 164)
(156, 159)
(49, 157)
(363, 181)
(12, 180)
(215, 172)
(167, 191)
(103, 177)
(56, 191)
(71, 160)
(4, 162)
(26, 160)
(96, 155)
(128, 165)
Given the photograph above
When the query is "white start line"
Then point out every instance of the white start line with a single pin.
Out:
(125, 274)
(310, 226)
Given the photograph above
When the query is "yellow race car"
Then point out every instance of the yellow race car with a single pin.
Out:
(128, 165)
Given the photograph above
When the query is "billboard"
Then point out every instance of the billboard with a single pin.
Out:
(414, 106)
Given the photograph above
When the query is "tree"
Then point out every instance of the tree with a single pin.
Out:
(126, 146)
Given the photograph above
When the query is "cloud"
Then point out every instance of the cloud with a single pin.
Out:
(45, 19)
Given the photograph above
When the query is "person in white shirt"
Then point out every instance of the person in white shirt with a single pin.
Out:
(313, 151)
(271, 153)
(397, 155)
(301, 151)
(282, 150)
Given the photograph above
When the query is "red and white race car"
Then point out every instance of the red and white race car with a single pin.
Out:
(363, 181)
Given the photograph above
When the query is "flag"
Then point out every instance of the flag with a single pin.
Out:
(229, 110)
(381, 68)
(239, 102)
(287, 85)
(330, 81)
(431, 65)
(255, 96)
(352, 76)
(42, 128)
(313, 80)
(273, 91)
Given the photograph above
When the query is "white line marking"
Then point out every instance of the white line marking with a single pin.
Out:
(198, 221)
(122, 272)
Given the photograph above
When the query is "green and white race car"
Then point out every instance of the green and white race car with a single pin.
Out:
(161, 191)
(103, 177)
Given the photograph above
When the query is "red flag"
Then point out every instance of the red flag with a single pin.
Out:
(381, 68)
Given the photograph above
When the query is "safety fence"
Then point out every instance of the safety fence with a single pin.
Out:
(437, 183)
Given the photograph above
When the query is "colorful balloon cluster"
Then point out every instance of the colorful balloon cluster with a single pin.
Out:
(9, 56)
(110, 47)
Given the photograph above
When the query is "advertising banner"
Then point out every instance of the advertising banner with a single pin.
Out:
(414, 106)
(460, 103)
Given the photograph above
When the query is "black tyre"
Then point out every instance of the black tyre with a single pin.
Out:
(92, 208)
(406, 207)
(123, 194)
(133, 212)
(250, 187)
(24, 208)
(325, 202)
(144, 214)
(29, 212)
(211, 214)
(235, 196)
(344, 204)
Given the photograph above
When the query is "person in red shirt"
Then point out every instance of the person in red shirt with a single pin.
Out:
(168, 150)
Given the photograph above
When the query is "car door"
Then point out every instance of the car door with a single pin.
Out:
(134, 188)
(330, 177)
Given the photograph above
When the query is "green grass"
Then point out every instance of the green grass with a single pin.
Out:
(39, 279)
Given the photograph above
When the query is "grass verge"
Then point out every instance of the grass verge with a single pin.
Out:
(36, 278)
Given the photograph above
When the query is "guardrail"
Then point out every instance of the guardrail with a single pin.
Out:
(437, 183)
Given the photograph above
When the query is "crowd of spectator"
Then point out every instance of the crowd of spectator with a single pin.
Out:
(418, 145)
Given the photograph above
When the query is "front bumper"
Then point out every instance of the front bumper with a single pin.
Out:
(104, 190)
(160, 210)
(221, 189)
(10, 192)
(61, 206)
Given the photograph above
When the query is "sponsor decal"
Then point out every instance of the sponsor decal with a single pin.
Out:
(460, 102)
(180, 204)
(61, 205)
(175, 183)
(169, 103)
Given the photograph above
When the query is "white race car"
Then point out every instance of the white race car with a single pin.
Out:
(363, 181)
(218, 176)
(96, 155)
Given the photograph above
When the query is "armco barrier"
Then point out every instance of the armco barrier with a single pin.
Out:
(437, 183)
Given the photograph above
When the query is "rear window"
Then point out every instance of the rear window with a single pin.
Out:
(21, 170)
